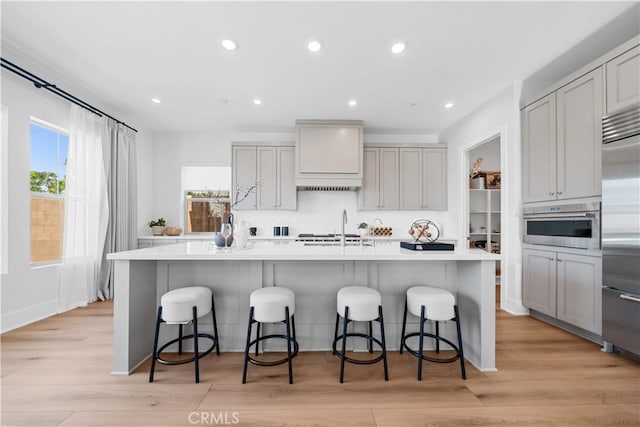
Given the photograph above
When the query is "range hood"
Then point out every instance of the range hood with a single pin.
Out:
(329, 155)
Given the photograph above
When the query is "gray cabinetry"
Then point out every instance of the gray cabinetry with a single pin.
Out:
(623, 81)
(562, 139)
(380, 186)
(423, 181)
(539, 281)
(275, 166)
(243, 167)
(565, 286)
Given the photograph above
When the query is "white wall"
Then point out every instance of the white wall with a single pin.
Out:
(318, 212)
(490, 154)
(500, 115)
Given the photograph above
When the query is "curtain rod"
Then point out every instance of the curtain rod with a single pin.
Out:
(43, 84)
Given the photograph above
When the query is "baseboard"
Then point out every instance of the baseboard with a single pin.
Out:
(25, 316)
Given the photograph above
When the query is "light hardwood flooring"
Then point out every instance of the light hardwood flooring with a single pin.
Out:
(56, 373)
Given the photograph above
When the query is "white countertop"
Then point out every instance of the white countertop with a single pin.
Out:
(288, 250)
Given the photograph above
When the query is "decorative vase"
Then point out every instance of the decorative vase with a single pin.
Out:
(478, 183)
(218, 238)
(241, 233)
(157, 230)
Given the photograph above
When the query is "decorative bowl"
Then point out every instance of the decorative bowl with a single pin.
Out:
(173, 231)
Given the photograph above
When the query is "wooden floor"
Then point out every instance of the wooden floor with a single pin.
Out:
(56, 373)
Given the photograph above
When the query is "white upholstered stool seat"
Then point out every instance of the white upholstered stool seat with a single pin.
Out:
(359, 304)
(363, 302)
(271, 305)
(181, 307)
(438, 305)
(177, 305)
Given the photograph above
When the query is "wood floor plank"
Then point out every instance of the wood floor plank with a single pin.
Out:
(32, 419)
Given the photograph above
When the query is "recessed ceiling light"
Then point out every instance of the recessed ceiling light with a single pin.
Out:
(155, 100)
(398, 47)
(413, 104)
(257, 101)
(314, 46)
(352, 103)
(448, 105)
(229, 44)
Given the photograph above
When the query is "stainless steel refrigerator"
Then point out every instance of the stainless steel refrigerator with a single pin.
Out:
(621, 230)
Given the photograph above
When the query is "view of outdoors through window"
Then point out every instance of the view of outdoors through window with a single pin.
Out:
(48, 177)
(205, 209)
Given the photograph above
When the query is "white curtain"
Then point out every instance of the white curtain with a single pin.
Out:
(86, 212)
(120, 165)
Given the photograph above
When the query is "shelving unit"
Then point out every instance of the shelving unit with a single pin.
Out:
(484, 219)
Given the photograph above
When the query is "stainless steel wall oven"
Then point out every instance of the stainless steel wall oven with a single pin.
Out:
(570, 225)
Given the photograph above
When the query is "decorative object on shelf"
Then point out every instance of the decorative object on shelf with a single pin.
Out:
(477, 178)
(377, 229)
(157, 226)
(424, 231)
(492, 179)
(363, 229)
(173, 231)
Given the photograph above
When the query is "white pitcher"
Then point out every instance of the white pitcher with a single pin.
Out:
(241, 233)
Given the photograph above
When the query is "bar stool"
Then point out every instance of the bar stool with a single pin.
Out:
(359, 304)
(435, 304)
(271, 305)
(181, 307)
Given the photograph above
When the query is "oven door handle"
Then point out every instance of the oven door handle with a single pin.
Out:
(559, 215)
(630, 298)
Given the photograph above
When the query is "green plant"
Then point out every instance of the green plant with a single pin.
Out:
(362, 225)
(160, 222)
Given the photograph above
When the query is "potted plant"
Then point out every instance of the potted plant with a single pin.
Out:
(477, 177)
(363, 229)
(157, 226)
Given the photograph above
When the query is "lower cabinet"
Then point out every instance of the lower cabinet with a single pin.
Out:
(565, 286)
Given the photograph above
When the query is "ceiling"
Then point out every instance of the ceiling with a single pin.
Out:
(126, 53)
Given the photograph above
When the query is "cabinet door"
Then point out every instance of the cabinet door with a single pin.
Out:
(623, 83)
(369, 193)
(539, 281)
(580, 291)
(286, 185)
(389, 179)
(579, 143)
(266, 196)
(434, 172)
(243, 165)
(539, 150)
(411, 181)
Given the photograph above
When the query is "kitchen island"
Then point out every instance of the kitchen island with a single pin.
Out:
(315, 274)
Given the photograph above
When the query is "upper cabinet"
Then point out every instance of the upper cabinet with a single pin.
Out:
(380, 185)
(562, 137)
(423, 178)
(274, 165)
(623, 81)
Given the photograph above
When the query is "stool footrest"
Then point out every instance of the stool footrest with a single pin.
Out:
(257, 362)
(214, 343)
(428, 358)
(358, 361)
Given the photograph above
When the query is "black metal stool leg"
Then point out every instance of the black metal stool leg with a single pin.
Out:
(215, 325)
(196, 353)
(370, 342)
(288, 326)
(180, 339)
(404, 325)
(246, 348)
(293, 326)
(384, 344)
(344, 343)
(258, 337)
(421, 343)
(155, 345)
(460, 352)
(437, 336)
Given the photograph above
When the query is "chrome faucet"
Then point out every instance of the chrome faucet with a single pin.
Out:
(343, 223)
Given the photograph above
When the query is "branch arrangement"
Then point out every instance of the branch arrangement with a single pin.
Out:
(243, 190)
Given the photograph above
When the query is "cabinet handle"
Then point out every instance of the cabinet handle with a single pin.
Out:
(381, 206)
(559, 260)
(559, 192)
(551, 259)
(551, 193)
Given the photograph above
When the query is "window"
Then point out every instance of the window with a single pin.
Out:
(47, 179)
(202, 204)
